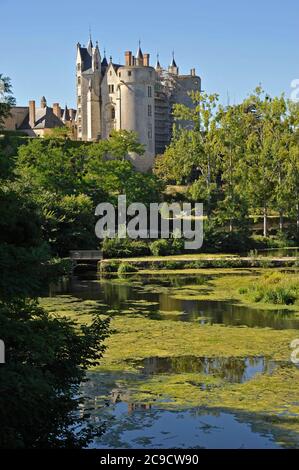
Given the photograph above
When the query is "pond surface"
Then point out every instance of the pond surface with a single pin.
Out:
(231, 369)
(155, 297)
(279, 252)
(136, 424)
(131, 424)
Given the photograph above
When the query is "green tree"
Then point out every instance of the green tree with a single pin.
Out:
(231, 139)
(121, 143)
(46, 357)
(6, 98)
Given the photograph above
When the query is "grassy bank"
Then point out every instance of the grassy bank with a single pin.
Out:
(241, 286)
(196, 261)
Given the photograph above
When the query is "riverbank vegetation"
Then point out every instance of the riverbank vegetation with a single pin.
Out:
(275, 288)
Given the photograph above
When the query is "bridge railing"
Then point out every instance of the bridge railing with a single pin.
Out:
(86, 255)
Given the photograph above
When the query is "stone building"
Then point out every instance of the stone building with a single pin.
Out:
(40, 121)
(133, 96)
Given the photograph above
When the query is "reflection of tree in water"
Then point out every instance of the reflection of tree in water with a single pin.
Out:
(121, 297)
(116, 294)
(231, 369)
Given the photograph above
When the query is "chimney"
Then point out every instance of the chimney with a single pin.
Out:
(146, 58)
(57, 110)
(128, 58)
(192, 72)
(32, 113)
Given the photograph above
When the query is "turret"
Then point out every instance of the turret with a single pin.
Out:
(158, 65)
(90, 45)
(43, 102)
(173, 68)
(66, 114)
(139, 57)
(96, 58)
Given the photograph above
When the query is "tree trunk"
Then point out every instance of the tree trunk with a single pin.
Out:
(265, 222)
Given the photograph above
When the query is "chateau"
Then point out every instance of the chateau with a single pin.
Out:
(134, 96)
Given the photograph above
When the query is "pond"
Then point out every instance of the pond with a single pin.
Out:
(279, 252)
(155, 297)
(136, 396)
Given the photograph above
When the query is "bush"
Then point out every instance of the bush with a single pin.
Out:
(125, 268)
(177, 246)
(124, 248)
(109, 267)
(160, 248)
(164, 247)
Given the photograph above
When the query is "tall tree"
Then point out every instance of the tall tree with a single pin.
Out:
(6, 98)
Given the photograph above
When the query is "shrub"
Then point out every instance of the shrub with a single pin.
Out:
(177, 246)
(109, 267)
(125, 268)
(160, 247)
(124, 248)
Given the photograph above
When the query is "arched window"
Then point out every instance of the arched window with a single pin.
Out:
(112, 112)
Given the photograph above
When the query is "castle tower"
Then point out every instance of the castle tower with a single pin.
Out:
(128, 102)
(88, 75)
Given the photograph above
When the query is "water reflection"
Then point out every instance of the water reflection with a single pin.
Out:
(231, 369)
(154, 297)
(132, 424)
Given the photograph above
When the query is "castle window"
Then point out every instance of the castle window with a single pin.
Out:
(110, 72)
(112, 113)
(129, 73)
(79, 80)
(149, 110)
(111, 88)
(119, 74)
(149, 91)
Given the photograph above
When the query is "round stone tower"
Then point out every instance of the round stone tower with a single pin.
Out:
(136, 104)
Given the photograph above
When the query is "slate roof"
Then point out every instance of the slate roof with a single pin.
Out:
(86, 58)
(66, 114)
(104, 62)
(44, 119)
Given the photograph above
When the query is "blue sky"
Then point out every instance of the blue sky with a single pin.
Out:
(234, 45)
